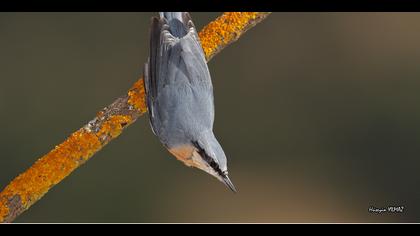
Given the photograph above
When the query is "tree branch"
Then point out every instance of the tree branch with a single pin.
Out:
(49, 170)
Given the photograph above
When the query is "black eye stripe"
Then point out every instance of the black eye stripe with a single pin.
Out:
(207, 158)
(201, 151)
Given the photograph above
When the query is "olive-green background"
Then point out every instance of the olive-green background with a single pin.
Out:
(318, 114)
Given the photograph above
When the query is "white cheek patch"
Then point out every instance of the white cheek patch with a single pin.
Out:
(190, 157)
(203, 165)
(198, 161)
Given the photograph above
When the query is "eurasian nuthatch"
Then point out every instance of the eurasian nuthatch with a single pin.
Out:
(180, 95)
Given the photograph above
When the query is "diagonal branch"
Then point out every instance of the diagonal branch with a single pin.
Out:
(52, 168)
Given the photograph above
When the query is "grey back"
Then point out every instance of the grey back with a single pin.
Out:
(177, 80)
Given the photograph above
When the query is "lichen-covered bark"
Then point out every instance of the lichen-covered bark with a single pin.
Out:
(226, 29)
(53, 167)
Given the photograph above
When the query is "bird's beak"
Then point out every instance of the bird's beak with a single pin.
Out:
(229, 183)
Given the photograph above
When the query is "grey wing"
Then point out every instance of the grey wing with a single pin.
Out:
(188, 92)
(160, 41)
(149, 97)
(177, 80)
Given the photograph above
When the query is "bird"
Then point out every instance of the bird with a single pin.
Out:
(179, 95)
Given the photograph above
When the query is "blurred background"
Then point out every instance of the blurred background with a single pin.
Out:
(317, 112)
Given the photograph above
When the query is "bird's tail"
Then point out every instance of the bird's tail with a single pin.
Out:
(179, 22)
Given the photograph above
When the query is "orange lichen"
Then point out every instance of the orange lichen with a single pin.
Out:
(113, 127)
(224, 30)
(4, 209)
(50, 170)
(57, 164)
(137, 96)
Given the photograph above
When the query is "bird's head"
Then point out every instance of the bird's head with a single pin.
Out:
(205, 153)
